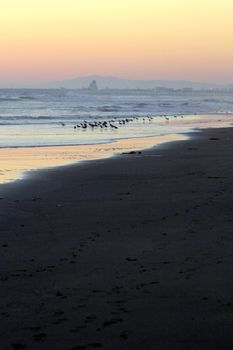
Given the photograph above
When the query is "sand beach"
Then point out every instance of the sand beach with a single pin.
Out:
(130, 252)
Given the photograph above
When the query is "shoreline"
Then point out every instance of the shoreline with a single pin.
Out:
(19, 161)
(130, 252)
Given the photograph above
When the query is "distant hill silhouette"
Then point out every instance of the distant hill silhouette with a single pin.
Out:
(118, 83)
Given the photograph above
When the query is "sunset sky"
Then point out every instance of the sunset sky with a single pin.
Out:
(44, 40)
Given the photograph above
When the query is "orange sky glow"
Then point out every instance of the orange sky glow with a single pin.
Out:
(45, 40)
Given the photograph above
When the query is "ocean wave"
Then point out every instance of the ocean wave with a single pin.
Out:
(45, 106)
(108, 108)
(9, 99)
(27, 97)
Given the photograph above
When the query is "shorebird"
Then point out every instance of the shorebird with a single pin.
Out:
(113, 126)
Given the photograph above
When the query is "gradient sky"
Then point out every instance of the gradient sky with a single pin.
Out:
(43, 40)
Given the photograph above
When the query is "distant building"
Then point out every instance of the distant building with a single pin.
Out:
(93, 86)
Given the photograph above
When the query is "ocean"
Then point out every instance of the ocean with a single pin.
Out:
(32, 117)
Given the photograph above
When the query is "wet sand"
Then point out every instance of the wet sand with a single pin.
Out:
(17, 161)
(132, 252)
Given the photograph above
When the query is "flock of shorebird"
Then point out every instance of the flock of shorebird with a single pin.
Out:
(114, 124)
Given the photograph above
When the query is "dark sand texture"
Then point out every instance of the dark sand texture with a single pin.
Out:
(134, 252)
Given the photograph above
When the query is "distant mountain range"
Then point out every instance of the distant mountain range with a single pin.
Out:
(118, 83)
(111, 82)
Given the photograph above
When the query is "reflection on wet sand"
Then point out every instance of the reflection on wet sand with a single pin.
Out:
(16, 161)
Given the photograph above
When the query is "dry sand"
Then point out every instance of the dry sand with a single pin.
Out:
(133, 252)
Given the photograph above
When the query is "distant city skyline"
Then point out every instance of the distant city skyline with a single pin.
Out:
(43, 41)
